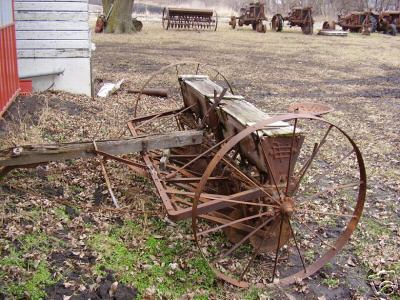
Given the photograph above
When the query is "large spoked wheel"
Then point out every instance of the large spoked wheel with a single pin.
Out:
(291, 204)
(167, 78)
(165, 19)
(277, 23)
(178, 169)
(215, 20)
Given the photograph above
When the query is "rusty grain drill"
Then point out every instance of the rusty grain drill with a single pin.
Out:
(240, 175)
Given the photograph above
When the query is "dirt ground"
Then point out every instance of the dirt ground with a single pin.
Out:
(60, 236)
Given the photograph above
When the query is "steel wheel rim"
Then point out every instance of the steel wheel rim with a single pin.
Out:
(341, 239)
(175, 65)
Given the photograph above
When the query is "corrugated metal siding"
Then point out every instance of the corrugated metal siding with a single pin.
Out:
(9, 81)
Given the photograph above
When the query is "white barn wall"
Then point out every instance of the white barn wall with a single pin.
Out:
(54, 35)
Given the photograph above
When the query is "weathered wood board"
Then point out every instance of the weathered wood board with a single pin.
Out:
(52, 53)
(36, 154)
(51, 6)
(59, 44)
(52, 25)
(51, 16)
(54, 34)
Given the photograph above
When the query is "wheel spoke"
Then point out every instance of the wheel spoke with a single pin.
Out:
(232, 223)
(277, 250)
(195, 179)
(308, 211)
(290, 157)
(216, 76)
(222, 198)
(238, 244)
(251, 181)
(242, 202)
(196, 158)
(334, 166)
(317, 148)
(335, 188)
(297, 246)
(253, 257)
(314, 233)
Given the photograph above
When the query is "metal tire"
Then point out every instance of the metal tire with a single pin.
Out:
(338, 241)
(277, 23)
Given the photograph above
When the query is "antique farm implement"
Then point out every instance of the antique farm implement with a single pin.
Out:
(252, 14)
(298, 16)
(271, 197)
(367, 21)
(389, 22)
(189, 18)
(355, 22)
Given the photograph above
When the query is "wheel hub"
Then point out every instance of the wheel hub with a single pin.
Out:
(287, 206)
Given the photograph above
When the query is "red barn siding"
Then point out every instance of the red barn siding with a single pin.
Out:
(9, 82)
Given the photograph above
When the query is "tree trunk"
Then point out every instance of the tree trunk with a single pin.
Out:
(120, 19)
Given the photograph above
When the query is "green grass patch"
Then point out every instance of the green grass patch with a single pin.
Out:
(309, 255)
(153, 263)
(35, 241)
(34, 286)
(60, 214)
(374, 228)
(331, 282)
(33, 276)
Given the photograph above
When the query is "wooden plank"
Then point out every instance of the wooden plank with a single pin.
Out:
(53, 44)
(51, 6)
(51, 16)
(35, 154)
(52, 35)
(53, 53)
(52, 25)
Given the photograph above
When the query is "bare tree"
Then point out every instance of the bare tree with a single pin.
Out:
(120, 19)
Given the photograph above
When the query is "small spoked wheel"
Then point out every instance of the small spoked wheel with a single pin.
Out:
(294, 197)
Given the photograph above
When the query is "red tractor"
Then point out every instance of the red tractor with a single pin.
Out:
(389, 22)
(252, 14)
(298, 16)
(367, 21)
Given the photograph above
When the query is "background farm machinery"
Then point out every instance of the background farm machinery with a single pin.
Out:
(189, 18)
(102, 20)
(298, 16)
(269, 195)
(252, 14)
(367, 21)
